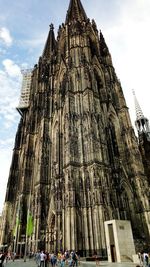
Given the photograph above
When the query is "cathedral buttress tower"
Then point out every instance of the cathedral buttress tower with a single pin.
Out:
(78, 162)
(143, 129)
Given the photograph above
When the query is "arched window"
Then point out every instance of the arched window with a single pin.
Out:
(112, 144)
(99, 87)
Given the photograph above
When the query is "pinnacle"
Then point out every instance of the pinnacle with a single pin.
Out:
(76, 11)
(103, 44)
(51, 27)
(50, 43)
(139, 113)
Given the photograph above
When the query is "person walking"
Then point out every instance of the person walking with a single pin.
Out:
(145, 259)
(53, 259)
(13, 256)
(37, 258)
(96, 259)
(42, 259)
(62, 260)
(59, 258)
(2, 258)
(47, 259)
(140, 256)
(75, 258)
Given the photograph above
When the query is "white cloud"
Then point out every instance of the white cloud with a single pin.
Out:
(5, 143)
(129, 43)
(10, 85)
(5, 36)
(12, 69)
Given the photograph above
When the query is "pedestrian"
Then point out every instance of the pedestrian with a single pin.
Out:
(62, 260)
(42, 259)
(47, 259)
(140, 258)
(2, 258)
(96, 258)
(13, 256)
(145, 259)
(59, 258)
(75, 258)
(53, 259)
(37, 258)
(67, 256)
(70, 260)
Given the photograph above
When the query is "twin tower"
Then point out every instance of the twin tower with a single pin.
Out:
(76, 161)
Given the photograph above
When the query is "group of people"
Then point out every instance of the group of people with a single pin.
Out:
(72, 259)
(43, 259)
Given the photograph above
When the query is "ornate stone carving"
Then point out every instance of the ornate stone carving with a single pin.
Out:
(75, 150)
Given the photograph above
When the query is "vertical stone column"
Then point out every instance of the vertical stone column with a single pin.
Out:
(67, 230)
(85, 231)
(58, 232)
(98, 223)
(72, 233)
(38, 223)
(91, 244)
(63, 229)
(101, 224)
(96, 230)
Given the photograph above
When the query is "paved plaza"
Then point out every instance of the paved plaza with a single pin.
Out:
(31, 263)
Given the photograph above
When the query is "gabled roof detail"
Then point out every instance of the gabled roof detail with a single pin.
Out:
(76, 12)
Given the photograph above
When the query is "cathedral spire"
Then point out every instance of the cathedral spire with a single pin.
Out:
(138, 110)
(141, 123)
(50, 43)
(76, 11)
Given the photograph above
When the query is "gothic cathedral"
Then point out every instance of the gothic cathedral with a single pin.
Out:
(76, 161)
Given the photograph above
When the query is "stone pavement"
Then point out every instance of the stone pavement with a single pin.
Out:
(107, 264)
(31, 263)
(20, 263)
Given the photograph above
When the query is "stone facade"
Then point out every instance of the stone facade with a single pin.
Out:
(76, 161)
(144, 146)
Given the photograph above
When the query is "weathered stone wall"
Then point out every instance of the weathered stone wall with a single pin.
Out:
(76, 160)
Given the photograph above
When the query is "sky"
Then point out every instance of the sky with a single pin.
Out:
(24, 27)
